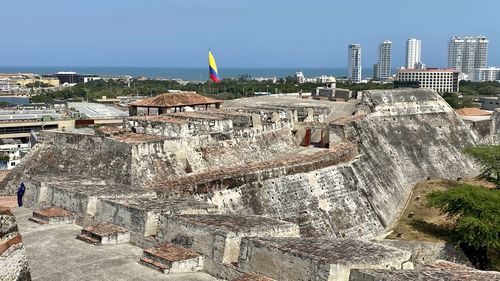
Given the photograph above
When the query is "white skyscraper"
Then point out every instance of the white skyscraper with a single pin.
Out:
(467, 54)
(354, 63)
(455, 53)
(413, 53)
(481, 60)
(383, 70)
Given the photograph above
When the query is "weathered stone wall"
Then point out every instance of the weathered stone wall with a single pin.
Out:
(424, 253)
(72, 154)
(13, 260)
(403, 138)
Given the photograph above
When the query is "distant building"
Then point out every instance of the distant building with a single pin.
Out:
(456, 53)
(413, 53)
(441, 80)
(354, 63)
(383, 67)
(467, 54)
(489, 103)
(331, 92)
(486, 74)
(299, 77)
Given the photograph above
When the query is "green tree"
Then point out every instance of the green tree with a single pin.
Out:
(477, 213)
(488, 157)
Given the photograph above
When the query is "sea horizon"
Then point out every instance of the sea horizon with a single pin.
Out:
(187, 73)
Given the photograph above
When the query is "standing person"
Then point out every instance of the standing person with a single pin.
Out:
(20, 194)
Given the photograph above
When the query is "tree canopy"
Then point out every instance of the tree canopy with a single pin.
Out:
(488, 157)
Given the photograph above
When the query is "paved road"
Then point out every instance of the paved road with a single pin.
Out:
(54, 254)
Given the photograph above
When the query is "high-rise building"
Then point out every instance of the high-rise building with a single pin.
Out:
(384, 60)
(481, 60)
(466, 54)
(413, 53)
(354, 63)
(455, 53)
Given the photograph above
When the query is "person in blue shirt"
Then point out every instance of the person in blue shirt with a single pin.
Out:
(20, 194)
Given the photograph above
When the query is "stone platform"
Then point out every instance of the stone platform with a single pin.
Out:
(104, 234)
(170, 258)
(304, 259)
(53, 215)
(218, 236)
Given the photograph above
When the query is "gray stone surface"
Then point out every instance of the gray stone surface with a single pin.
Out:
(54, 254)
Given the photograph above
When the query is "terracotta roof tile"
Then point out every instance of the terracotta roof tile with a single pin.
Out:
(175, 99)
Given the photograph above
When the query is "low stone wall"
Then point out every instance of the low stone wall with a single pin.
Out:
(218, 236)
(424, 253)
(13, 260)
(306, 259)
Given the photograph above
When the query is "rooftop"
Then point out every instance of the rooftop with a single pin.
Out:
(175, 100)
(472, 112)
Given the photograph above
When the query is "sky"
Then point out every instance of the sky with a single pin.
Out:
(250, 33)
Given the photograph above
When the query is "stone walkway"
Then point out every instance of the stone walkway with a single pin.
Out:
(54, 254)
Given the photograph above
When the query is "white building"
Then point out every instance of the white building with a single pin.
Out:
(441, 80)
(486, 74)
(413, 53)
(354, 63)
(466, 54)
(383, 67)
(299, 77)
(455, 53)
(13, 150)
(481, 60)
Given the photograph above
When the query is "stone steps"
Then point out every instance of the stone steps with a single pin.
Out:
(104, 234)
(170, 258)
(87, 239)
(37, 220)
(53, 215)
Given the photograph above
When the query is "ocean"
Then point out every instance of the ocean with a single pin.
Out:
(191, 74)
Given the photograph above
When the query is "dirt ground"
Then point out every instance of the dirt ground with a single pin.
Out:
(419, 222)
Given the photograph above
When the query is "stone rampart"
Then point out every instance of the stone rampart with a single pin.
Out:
(13, 260)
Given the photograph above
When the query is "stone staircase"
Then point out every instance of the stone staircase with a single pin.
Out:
(104, 234)
(170, 258)
(53, 215)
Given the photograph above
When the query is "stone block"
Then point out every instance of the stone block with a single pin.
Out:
(218, 236)
(170, 258)
(104, 234)
(308, 259)
(53, 215)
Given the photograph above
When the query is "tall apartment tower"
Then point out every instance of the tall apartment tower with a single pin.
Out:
(384, 60)
(481, 60)
(455, 53)
(413, 53)
(467, 54)
(354, 63)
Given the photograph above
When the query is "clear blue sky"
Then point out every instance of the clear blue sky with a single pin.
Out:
(250, 33)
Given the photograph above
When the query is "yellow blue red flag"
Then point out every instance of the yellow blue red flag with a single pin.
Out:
(212, 67)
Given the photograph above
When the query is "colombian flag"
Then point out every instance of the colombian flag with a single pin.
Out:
(212, 67)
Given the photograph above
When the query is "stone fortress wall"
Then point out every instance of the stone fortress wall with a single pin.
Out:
(212, 181)
(13, 260)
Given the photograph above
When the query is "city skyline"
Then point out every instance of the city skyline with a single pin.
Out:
(176, 34)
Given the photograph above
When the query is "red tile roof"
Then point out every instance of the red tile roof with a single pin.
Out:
(175, 100)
